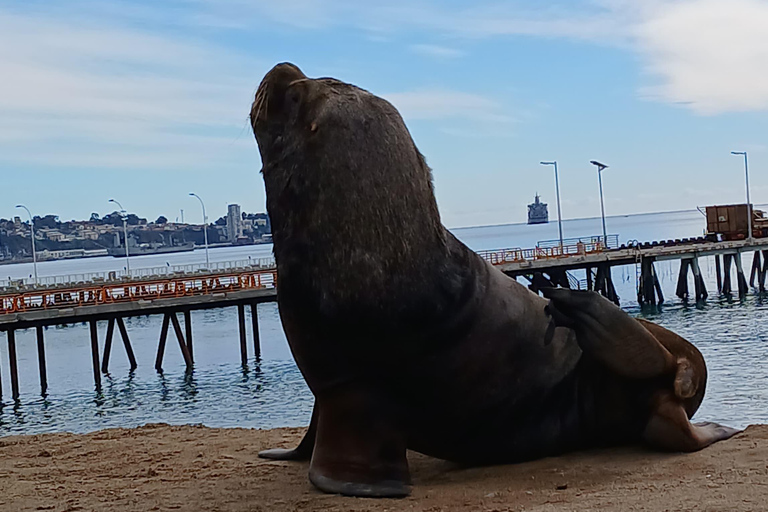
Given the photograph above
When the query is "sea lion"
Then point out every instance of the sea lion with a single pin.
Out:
(410, 340)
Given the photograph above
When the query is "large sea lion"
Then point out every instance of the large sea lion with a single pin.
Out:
(409, 340)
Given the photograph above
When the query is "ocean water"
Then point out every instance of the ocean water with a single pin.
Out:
(219, 392)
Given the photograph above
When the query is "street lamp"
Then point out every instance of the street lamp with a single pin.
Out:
(600, 169)
(124, 215)
(749, 207)
(32, 228)
(557, 188)
(205, 229)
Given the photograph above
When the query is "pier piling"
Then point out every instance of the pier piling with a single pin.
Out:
(161, 345)
(41, 360)
(682, 279)
(243, 338)
(95, 354)
(108, 346)
(255, 326)
(126, 342)
(756, 266)
(699, 285)
(740, 271)
(727, 273)
(180, 338)
(13, 363)
(762, 273)
(719, 274)
(188, 330)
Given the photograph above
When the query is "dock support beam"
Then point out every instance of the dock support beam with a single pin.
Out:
(650, 287)
(698, 280)
(161, 345)
(727, 258)
(188, 331)
(95, 354)
(740, 271)
(719, 273)
(108, 346)
(761, 278)
(255, 326)
(13, 364)
(756, 268)
(243, 338)
(682, 279)
(126, 343)
(41, 360)
(180, 338)
(168, 319)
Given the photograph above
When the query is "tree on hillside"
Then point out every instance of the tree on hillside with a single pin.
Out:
(161, 220)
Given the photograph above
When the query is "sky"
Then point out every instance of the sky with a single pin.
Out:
(147, 101)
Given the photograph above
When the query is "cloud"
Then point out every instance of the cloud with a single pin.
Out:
(85, 91)
(708, 55)
(440, 52)
(433, 104)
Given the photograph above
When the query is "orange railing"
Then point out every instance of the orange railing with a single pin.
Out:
(96, 294)
(517, 255)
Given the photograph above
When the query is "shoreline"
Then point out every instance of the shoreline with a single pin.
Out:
(163, 467)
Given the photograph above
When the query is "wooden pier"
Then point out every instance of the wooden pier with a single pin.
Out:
(110, 302)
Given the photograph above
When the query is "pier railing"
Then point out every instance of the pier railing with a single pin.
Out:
(551, 249)
(137, 274)
(93, 294)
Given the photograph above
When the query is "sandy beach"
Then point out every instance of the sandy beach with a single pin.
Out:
(162, 467)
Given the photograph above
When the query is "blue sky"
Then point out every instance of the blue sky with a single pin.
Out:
(146, 101)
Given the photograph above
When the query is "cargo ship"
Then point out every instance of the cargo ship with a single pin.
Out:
(147, 249)
(538, 213)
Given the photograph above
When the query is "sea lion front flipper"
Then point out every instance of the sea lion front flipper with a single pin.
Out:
(669, 428)
(303, 451)
(610, 335)
(360, 446)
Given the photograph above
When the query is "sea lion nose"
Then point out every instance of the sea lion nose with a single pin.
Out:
(270, 96)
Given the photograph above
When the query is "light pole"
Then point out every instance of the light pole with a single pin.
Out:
(557, 189)
(32, 228)
(205, 229)
(600, 169)
(124, 215)
(749, 207)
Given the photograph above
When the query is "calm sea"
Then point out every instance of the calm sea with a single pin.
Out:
(271, 393)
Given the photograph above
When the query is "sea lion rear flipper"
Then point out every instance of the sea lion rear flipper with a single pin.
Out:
(669, 428)
(303, 451)
(609, 334)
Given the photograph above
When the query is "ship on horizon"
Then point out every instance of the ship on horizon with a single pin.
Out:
(538, 213)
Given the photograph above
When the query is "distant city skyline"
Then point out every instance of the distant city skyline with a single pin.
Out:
(145, 101)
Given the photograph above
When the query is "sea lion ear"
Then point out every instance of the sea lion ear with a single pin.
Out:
(685, 383)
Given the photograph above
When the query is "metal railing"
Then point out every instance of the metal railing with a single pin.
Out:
(136, 274)
(551, 249)
(93, 294)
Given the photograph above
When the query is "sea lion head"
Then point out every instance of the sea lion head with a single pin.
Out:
(343, 178)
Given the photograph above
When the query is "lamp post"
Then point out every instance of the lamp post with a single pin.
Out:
(749, 207)
(600, 169)
(125, 231)
(557, 189)
(205, 229)
(32, 229)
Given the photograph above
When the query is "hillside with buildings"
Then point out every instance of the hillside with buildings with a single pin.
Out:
(101, 236)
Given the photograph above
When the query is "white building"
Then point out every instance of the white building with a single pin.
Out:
(234, 223)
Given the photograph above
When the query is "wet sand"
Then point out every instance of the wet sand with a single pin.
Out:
(189, 468)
